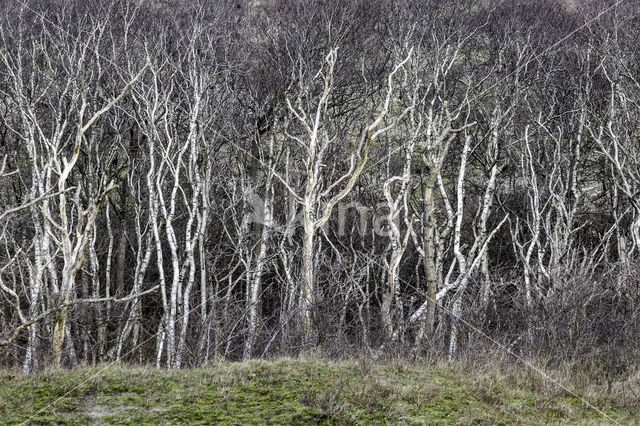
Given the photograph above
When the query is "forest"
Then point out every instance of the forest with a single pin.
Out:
(183, 182)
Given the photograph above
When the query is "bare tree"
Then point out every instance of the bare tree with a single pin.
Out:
(313, 119)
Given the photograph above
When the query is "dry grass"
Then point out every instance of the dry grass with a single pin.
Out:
(315, 390)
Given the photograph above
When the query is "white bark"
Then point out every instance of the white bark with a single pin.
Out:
(319, 198)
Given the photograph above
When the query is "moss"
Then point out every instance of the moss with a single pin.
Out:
(286, 392)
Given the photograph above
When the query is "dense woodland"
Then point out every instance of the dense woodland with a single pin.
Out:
(188, 181)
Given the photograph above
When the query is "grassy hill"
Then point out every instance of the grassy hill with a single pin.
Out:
(304, 391)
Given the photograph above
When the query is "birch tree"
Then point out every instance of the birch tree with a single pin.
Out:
(318, 198)
(65, 78)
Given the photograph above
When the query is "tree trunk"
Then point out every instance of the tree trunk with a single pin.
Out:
(308, 287)
(430, 267)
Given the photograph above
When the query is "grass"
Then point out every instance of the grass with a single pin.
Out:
(302, 391)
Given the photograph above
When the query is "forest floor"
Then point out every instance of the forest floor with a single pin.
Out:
(308, 391)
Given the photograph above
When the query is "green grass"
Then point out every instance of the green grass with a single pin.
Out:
(299, 391)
